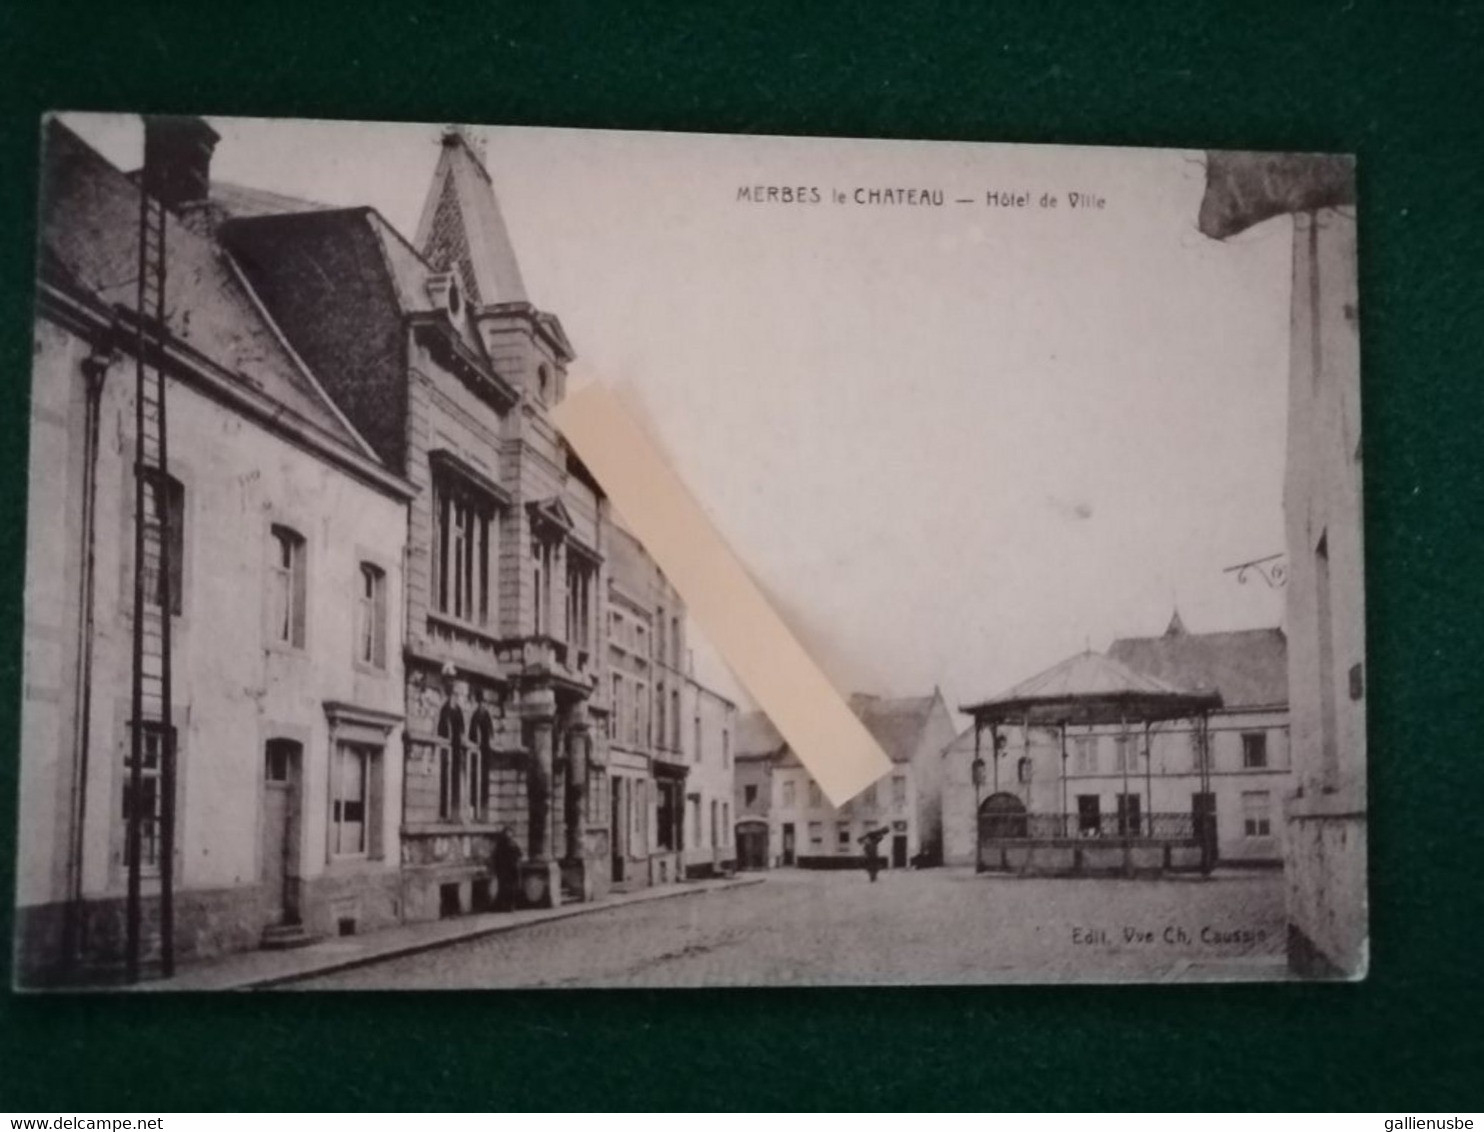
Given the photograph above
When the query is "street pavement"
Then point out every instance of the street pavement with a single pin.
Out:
(944, 926)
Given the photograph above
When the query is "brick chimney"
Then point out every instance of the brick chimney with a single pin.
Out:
(177, 159)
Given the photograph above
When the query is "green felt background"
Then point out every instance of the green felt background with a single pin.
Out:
(1402, 86)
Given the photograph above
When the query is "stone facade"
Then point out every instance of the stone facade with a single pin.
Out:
(1326, 818)
(286, 694)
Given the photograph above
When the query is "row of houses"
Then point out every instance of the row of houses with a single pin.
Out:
(408, 631)
(969, 798)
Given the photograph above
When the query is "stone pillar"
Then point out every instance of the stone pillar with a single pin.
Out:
(577, 871)
(540, 879)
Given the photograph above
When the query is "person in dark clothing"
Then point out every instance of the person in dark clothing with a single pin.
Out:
(873, 854)
(506, 865)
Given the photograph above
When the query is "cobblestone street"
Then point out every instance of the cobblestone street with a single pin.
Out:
(822, 928)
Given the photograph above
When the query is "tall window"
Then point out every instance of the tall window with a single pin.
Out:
(579, 604)
(1128, 814)
(543, 571)
(715, 825)
(697, 750)
(151, 752)
(164, 499)
(466, 527)
(371, 616)
(749, 794)
(288, 588)
(659, 641)
(350, 794)
(616, 714)
(1127, 748)
(1254, 750)
(659, 711)
(816, 835)
(726, 748)
(788, 793)
(1086, 749)
(899, 792)
(1257, 819)
(674, 719)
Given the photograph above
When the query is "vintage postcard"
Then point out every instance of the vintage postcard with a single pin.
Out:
(344, 669)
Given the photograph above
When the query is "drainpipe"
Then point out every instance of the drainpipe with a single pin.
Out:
(94, 369)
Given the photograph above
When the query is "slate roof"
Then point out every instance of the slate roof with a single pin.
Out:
(1091, 688)
(1248, 667)
(897, 723)
(89, 241)
(463, 230)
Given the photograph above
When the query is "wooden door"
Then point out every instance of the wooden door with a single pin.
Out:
(280, 813)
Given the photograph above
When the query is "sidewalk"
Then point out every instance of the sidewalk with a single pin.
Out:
(255, 970)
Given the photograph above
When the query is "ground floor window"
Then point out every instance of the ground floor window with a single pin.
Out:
(1128, 814)
(842, 835)
(1257, 814)
(351, 796)
(146, 808)
(1089, 815)
(816, 835)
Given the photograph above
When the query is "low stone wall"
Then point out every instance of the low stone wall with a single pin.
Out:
(1090, 857)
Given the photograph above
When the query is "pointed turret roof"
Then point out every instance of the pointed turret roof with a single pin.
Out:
(1176, 627)
(463, 230)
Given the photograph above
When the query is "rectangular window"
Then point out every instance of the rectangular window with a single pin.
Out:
(726, 749)
(788, 793)
(842, 836)
(543, 573)
(726, 825)
(715, 825)
(695, 820)
(1126, 754)
(288, 586)
(615, 709)
(1254, 750)
(1089, 815)
(674, 719)
(1198, 754)
(659, 643)
(466, 527)
(1257, 820)
(899, 792)
(659, 712)
(371, 616)
(749, 795)
(350, 792)
(164, 505)
(1085, 748)
(696, 753)
(1128, 815)
(579, 604)
(816, 835)
(151, 756)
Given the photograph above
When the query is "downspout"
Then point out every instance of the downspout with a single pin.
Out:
(94, 369)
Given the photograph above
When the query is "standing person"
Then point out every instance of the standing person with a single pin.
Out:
(873, 855)
(506, 865)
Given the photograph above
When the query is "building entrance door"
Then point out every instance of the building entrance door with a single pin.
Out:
(280, 830)
(1203, 818)
(617, 830)
(788, 844)
(899, 851)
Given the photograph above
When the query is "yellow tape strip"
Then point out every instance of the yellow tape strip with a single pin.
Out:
(814, 720)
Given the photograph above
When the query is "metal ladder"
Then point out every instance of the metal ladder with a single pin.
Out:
(150, 834)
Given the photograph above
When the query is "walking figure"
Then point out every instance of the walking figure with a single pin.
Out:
(872, 842)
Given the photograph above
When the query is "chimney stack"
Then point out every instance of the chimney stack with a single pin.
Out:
(177, 159)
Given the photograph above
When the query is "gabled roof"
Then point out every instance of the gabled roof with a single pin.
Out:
(1249, 667)
(1092, 688)
(897, 723)
(89, 240)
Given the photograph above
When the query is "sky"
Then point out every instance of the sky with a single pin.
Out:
(954, 444)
